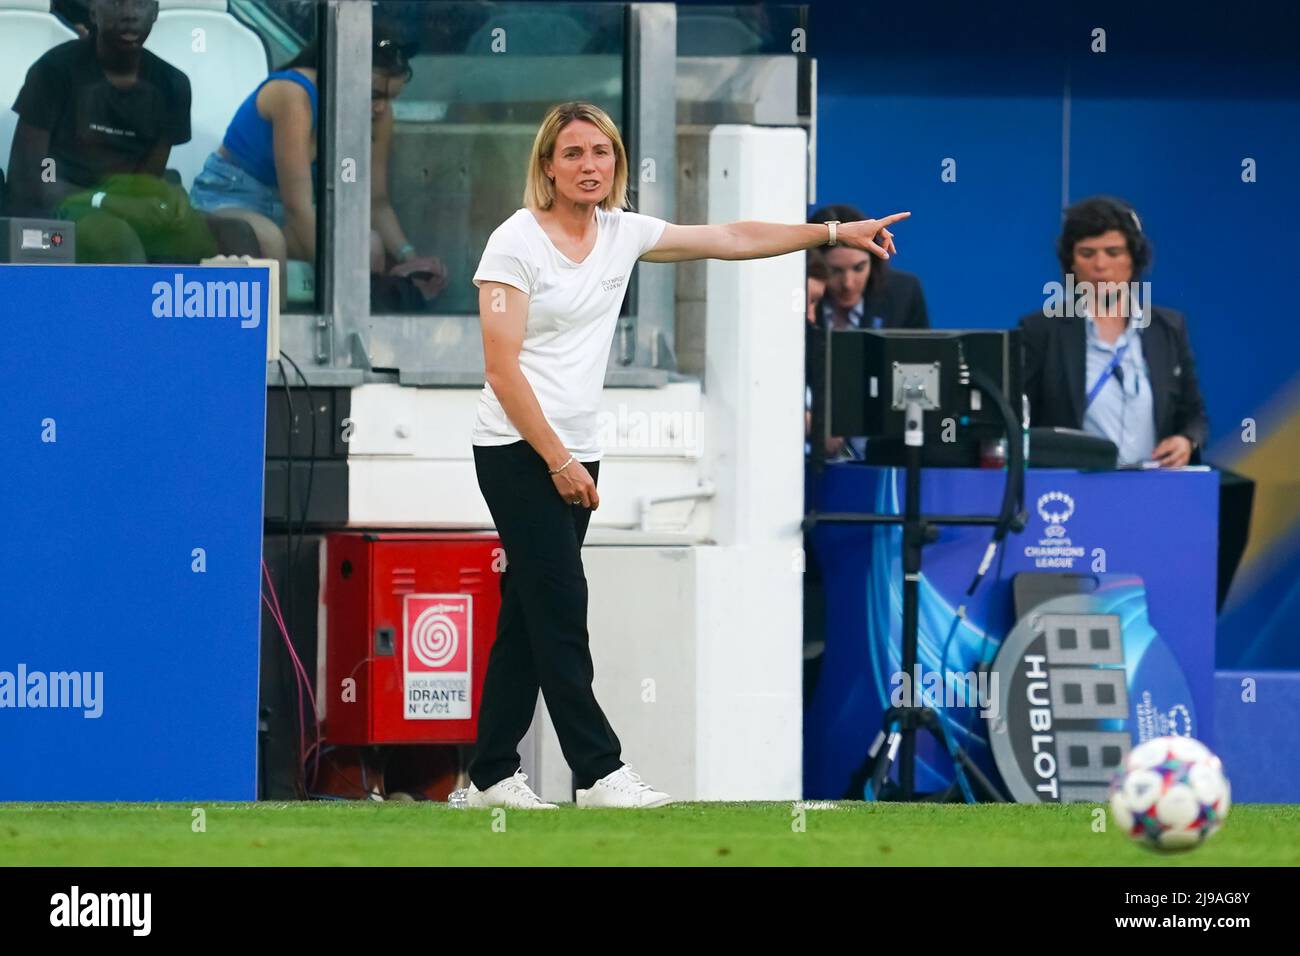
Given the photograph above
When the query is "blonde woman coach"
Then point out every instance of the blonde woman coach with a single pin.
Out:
(551, 282)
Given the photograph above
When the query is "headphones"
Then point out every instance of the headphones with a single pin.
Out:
(1140, 245)
(1124, 209)
(1119, 207)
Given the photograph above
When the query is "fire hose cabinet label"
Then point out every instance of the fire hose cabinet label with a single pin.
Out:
(437, 656)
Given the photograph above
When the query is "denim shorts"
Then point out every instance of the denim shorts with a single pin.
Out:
(221, 183)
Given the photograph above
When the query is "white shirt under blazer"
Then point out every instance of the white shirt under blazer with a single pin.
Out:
(572, 315)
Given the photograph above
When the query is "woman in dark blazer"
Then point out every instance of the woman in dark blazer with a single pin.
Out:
(1118, 367)
(864, 286)
(861, 291)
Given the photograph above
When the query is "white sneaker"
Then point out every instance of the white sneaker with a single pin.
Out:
(512, 792)
(622, 788)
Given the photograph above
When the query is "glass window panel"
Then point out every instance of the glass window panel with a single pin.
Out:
(722, 30)
(482, 77)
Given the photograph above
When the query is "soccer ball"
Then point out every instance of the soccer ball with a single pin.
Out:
(1171, 794)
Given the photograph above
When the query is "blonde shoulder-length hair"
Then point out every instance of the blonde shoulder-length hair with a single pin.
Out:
(539, 190)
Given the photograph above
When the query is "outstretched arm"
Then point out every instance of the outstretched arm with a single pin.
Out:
(759, 240)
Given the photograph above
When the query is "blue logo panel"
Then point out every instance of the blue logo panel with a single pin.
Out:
(1152, 529)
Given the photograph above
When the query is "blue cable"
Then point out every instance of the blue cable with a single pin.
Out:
(868, 795)
(943, 666)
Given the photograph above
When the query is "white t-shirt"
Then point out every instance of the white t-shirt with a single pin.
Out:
(572, 314)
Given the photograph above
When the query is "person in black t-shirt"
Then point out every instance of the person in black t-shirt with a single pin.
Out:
(98, 118)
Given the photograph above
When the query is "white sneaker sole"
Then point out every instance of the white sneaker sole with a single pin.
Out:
(624, 806)
(477, 802)
(508, 806)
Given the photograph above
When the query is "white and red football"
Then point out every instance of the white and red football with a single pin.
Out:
(1171, 794)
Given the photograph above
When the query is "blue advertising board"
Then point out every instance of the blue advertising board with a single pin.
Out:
(1149, 539)
(132, 410)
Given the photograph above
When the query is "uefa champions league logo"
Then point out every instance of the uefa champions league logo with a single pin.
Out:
(1055, 549)
(1153, 721)
(1055, 508)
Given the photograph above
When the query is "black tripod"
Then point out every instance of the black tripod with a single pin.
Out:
(897, 736)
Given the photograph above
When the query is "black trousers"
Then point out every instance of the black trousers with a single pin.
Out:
(541, 640)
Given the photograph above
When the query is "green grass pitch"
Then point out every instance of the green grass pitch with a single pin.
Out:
(686, 834)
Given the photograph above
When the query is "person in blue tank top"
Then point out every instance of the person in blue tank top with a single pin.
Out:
(264, 171)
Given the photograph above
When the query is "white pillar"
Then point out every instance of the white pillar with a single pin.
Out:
(749, 733)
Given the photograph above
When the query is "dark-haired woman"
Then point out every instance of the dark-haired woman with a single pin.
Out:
(1114, 365)
(265, 169)
(862, 291)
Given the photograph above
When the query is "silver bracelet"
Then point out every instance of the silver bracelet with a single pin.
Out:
(561, 468)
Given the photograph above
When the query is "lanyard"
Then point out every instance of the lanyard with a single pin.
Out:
(1107, 372)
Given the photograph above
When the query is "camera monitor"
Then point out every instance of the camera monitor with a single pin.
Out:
(867, 376)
